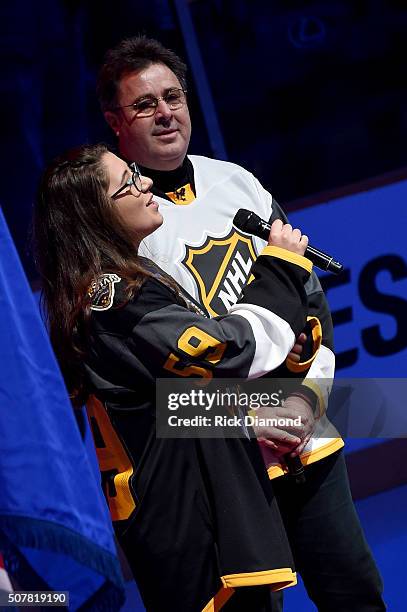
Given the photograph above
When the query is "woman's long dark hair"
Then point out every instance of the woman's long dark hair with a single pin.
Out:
(78, 236)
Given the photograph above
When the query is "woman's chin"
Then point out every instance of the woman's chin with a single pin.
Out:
(158, 221)
(155, 224)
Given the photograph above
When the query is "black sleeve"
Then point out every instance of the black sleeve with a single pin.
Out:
(155, 334)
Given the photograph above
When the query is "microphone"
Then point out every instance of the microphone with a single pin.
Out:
(295, 469)
(249, 222)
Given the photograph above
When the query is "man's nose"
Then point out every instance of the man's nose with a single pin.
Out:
(163, 112)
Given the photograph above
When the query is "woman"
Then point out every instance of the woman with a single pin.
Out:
(195, 517)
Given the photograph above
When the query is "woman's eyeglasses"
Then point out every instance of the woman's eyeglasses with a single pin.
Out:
(135, 179)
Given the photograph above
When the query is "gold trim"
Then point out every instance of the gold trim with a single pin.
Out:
(277, 579)
(232, 241)
(217, 602)
(275, 471)
(317, 390)
(316, 332)
(280, 253)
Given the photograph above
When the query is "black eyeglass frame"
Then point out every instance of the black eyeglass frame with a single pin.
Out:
(135, 180)
(156, 100)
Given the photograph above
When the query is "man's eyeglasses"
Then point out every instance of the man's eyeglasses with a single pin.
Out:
(135, 180)
(146, 107)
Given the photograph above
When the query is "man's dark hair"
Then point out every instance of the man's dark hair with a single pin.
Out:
(132, 55)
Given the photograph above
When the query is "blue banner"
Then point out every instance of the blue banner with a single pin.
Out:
(55, 529)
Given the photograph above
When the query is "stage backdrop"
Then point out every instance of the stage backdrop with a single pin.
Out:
(366, 231)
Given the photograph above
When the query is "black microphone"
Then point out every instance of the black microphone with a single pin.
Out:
(249, 222)
(295, 468)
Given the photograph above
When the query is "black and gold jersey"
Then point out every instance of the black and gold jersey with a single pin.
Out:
(196, 517)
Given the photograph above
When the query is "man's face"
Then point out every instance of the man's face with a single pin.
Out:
(159, 142)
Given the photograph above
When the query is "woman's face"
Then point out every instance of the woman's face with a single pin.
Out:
(137, 209)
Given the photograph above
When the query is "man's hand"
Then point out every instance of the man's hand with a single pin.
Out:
(298, 407)
(291, 439)
(277, 439)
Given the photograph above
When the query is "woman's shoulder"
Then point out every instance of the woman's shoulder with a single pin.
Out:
(103, 291)
(116, 313)
(109, 291)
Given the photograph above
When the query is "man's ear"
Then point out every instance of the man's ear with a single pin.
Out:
(113, 120)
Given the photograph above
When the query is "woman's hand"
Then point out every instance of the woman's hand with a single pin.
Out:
(284, 236)
(295, 353)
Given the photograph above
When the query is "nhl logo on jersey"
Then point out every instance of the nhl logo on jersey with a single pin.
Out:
(101, 291)
(221, 267)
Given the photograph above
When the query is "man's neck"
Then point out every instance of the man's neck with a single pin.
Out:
(169, 181)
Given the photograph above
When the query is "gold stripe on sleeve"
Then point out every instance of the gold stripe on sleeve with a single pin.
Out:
(276, 470)
(277, 579)
(316, 331)
(280, 253)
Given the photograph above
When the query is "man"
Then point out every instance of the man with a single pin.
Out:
(142, 90)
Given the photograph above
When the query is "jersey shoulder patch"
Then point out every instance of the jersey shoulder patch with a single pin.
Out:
(102, 291)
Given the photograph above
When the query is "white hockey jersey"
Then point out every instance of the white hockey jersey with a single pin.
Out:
(199, 247)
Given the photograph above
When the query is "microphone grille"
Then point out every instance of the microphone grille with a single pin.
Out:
(242, 219)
